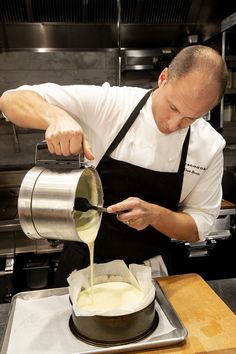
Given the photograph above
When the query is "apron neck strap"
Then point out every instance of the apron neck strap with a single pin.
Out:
(184, 152)
(127, 124)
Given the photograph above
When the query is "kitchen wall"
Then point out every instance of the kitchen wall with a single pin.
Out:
(61, 67)
(18, 68)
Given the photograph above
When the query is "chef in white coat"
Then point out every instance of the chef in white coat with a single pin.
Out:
(159, 161)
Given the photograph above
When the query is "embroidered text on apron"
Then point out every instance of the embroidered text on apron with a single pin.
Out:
(121, 180)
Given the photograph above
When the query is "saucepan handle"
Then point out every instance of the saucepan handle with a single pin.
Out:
(41, 145)
(53, 161)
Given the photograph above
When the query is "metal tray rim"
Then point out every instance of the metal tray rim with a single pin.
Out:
(177, 336)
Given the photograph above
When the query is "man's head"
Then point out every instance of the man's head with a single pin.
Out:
(192, 85)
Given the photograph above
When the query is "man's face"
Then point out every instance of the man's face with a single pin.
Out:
(178, 103)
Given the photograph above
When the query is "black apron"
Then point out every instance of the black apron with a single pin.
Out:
(121, 180)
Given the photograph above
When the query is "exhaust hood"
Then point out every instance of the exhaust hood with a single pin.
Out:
(44, 25)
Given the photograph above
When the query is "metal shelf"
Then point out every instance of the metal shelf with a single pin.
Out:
(230, 91)
(10, 225)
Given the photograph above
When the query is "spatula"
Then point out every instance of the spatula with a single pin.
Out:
(82, 204)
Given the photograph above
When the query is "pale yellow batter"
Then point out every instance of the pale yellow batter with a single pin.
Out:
(109, 296)
(104, 296)
(88, 223)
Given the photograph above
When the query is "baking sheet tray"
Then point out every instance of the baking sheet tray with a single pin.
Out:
(178, 335)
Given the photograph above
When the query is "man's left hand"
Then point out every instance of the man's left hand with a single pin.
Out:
(134, 212)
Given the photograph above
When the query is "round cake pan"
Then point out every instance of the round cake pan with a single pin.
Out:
(115, 330)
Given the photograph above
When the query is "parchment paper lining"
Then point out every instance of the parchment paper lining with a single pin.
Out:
(137, 275)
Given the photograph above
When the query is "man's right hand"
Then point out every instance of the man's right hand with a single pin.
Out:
(65, 137)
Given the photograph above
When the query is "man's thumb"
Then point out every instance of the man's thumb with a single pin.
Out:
(87, 150)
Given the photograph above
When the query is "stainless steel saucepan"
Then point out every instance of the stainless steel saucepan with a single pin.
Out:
(46, 204)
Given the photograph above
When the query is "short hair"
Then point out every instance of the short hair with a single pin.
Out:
(199, 58)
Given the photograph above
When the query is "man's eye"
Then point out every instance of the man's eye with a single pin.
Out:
(173, 108)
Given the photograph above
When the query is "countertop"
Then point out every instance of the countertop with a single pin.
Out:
(210, 323)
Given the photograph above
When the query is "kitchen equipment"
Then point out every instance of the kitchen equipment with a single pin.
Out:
(6, 272)
(127, 317)
(48, 192)
(115, 330)
(169, 331)
(36, 270)
(82, 204)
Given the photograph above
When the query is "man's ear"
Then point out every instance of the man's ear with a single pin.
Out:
(163, 77)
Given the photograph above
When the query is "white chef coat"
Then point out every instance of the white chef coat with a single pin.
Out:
(102, 111)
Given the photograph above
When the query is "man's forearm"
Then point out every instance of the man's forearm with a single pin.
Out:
(139, 214)
(177, 225)
(27, 109)
(63, 134)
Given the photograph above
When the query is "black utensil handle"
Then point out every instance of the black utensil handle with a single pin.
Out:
(101, 209)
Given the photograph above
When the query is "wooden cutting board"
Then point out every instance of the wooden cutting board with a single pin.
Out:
(210, 323)
(225, 204)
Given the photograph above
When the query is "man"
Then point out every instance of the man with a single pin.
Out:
(160, 163)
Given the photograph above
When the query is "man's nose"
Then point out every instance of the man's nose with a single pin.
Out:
(174, 122)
